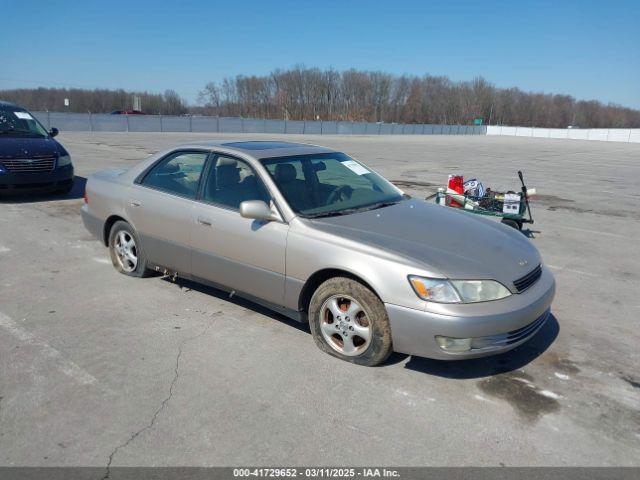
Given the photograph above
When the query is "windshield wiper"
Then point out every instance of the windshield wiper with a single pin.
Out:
(347, 211)
(333, 213)
(374, 206)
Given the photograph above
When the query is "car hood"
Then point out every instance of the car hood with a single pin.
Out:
(450, 243)
(25, 147)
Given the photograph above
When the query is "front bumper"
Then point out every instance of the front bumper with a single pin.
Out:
(42, 181)
(495, 327)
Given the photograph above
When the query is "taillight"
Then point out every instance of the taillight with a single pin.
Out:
(86, 197)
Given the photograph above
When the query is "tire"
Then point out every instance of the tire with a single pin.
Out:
(123, 252)
(512, 223)
(341, 312)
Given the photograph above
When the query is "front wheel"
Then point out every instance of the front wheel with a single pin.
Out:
(349, 321)
(124, 247)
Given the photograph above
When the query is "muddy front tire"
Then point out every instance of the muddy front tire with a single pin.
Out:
(350, 322)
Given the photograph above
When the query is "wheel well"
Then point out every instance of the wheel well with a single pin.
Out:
(315, 280)
(107, 228)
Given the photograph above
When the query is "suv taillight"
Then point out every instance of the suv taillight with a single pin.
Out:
(86, 196)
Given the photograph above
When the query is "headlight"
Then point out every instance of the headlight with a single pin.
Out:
(64, 160)
(457, 291)
(434, 290)
(480, 290)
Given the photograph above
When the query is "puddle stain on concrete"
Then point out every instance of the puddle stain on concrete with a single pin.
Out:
(634, 383)
(554, 203)
(566, 366)
(559, 362)
(412, 184)
(518, 389)
(610, 418)
(552, 199)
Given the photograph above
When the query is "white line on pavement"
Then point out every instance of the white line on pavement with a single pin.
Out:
(579, 272)
(65, 365)
(593, 232)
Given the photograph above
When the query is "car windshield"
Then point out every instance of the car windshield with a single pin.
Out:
(329, 184)
(17, 122)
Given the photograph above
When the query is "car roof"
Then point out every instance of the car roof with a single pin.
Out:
(262, 148)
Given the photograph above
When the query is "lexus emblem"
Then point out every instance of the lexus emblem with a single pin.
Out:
(522, 263)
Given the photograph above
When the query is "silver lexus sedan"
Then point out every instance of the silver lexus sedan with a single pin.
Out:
(322, 238)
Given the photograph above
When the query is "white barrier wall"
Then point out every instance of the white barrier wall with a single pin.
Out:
(631, 135)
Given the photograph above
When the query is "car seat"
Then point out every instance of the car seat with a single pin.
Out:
(228, 190)
(294, 190)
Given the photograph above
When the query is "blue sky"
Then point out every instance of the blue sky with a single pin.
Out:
(589, 49)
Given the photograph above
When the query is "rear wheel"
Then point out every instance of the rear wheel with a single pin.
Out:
(350, 322)
(124, 247)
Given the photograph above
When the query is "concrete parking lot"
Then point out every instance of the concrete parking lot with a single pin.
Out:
(100, 369)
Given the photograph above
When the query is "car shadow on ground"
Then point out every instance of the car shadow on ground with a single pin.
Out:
(239, 301)
(76, 193)
(488, 366)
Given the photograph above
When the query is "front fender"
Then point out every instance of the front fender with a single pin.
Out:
(308, 253)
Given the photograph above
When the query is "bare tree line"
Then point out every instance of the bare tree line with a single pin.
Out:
(96, 101)
(303, 93)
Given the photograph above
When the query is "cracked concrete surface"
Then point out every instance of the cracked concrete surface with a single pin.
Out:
(185, 376)
(162, 404)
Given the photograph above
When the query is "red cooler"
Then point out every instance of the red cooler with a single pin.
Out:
(456, 185)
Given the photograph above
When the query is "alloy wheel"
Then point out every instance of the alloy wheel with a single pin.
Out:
(126, 251)
(345, 326)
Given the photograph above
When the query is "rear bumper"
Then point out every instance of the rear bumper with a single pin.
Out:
(45, 181)
(495, 327)
(92, 223)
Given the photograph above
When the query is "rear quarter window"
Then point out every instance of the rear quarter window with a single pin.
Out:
(178, 174)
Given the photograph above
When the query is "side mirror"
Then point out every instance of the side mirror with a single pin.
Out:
(257, 210)
(53, 132)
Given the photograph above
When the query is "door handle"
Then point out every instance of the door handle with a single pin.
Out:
(204, 221)
(135, 203)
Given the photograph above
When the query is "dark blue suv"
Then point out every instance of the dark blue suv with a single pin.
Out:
(30, 159)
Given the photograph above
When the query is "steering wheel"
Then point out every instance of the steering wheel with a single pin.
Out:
(340, 194)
